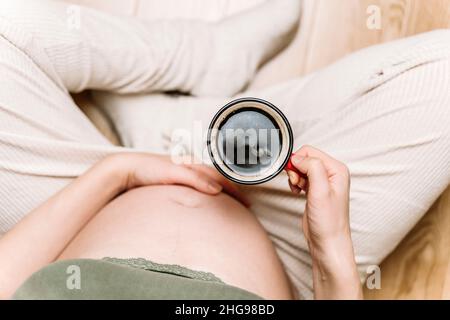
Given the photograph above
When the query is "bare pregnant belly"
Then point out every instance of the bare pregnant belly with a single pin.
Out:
(178, 225)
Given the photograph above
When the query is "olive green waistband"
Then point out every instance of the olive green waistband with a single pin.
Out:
(174, 269)
(134, 279)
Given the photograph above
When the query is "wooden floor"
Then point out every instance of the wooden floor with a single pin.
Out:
(331, 29)
(420, 266)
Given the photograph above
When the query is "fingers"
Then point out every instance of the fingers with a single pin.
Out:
(294, 188)
(314, 169)
(303, 183)
(294, 178)
(298, 181)
(202, 178)
(308, 151)
(333, 166)
(207, 180)
(228, 186)
(317, 172)
(198, 180)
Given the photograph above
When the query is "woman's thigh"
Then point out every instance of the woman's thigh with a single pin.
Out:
(45, 140)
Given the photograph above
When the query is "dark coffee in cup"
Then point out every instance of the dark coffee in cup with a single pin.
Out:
(250, 141)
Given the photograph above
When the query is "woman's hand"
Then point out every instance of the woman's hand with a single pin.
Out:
(140, 169)
(326, 226)
(69, 210)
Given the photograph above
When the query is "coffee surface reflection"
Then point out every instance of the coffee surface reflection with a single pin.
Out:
(249, 141)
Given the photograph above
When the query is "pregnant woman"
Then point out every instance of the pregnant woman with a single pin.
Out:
(193, 240)
(136, 225)
(81, 218)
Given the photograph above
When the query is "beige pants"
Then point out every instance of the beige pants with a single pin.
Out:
(384, 111)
